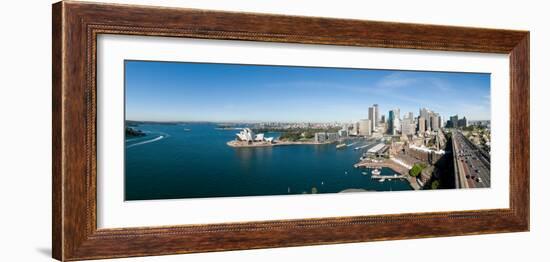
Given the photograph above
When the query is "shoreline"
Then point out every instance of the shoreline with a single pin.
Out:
(237, 144)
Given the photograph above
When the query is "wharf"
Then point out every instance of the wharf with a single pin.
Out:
(395, 165)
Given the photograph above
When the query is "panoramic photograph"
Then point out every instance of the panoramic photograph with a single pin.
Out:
(202, 130)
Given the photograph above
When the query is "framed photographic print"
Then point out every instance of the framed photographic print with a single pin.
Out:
(181, 130)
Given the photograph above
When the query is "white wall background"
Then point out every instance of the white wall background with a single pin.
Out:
(25, 147)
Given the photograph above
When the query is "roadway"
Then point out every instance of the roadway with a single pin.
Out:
(472, 168)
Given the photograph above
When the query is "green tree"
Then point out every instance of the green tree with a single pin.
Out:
(314, 190)
(415, 170)
(435, 184)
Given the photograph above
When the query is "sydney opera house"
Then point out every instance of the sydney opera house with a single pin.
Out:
(247, 135)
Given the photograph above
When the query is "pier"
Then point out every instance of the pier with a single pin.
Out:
(396, 176)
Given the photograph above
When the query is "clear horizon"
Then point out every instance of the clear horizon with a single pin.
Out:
(205, 92)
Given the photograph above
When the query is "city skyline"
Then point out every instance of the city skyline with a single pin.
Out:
(201, 92)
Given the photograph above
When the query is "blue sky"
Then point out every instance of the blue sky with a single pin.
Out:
(169, 91)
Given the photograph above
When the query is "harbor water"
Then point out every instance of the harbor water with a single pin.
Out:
(193, 161)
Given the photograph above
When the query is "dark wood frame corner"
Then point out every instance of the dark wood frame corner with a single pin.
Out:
(76, 26)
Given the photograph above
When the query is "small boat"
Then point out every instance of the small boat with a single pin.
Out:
(376, 171)
(339, 146)
(382, 180)
(364, 173)
(186, 129)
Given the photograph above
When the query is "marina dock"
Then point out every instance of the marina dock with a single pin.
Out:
(396, 176)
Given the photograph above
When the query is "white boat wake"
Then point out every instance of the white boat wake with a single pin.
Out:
(146, 141)
(131, 139)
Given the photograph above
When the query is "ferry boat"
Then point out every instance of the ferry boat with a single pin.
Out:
(376, 171)
(341, 145)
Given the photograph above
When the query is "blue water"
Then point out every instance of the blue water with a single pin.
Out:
(170, 163)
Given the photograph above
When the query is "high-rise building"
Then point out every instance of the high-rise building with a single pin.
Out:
(355, 129)
(377, 114)
(454, 121)
(434, 121)
(372, 117)
(393, 121)
(426, 114)
(397, 125)
(462, 122)
(383, 119)
(407, 125)
(389, 127)
(421, 125)
(365, 127)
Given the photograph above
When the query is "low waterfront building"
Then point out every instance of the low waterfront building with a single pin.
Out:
(320, 137)
(378, 150)
(424, 154)
(331, 137)
(324, 137)
(343, 132)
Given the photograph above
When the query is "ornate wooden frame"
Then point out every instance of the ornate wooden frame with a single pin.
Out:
(76, 26)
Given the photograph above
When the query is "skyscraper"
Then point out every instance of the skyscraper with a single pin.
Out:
(397, 122)
(377, 114)
(453, 121)
(434, 121)
(355, 128)
(391, 117)
(372, 116)
(421, 125)
(426, 114)
(407, 126)
(462, 122)
(393, 121)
